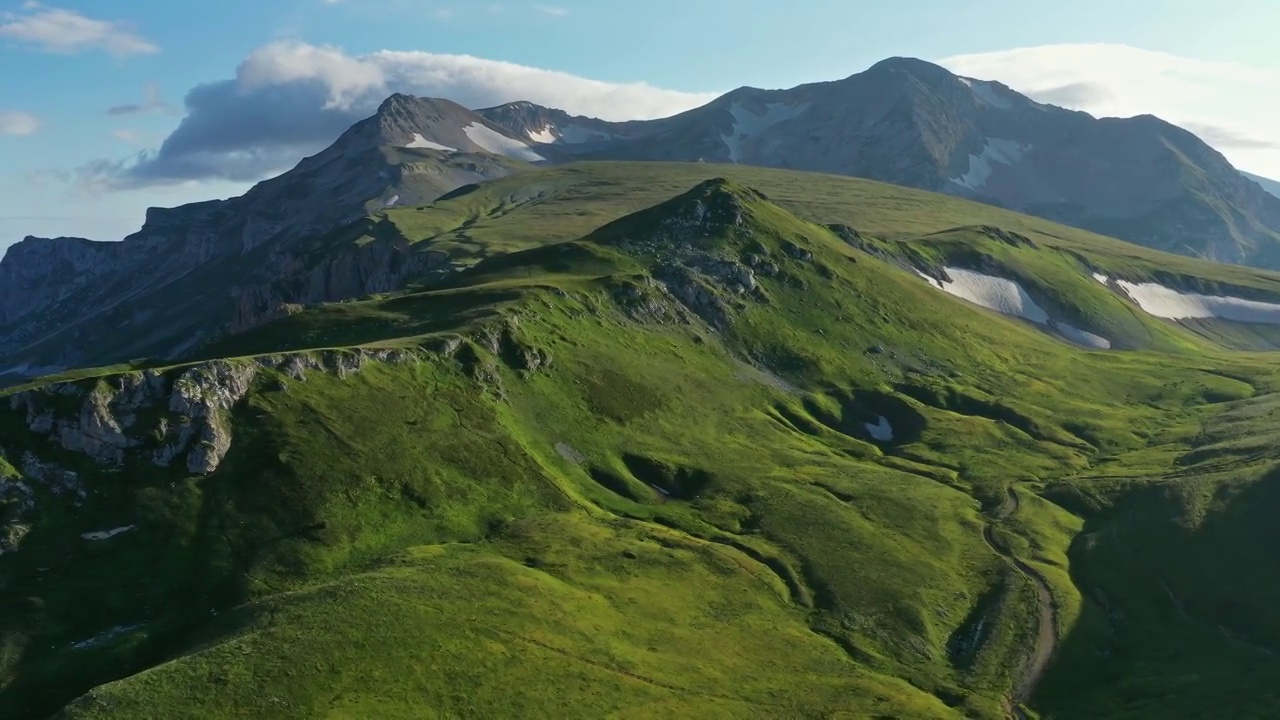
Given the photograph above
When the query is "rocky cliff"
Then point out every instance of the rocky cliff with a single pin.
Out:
(196, 271)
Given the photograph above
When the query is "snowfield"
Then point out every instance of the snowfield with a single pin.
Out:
(1009, 298)
(107, 534)
(984, 92)
(422, 143)
(994, 293)
(1004, 152)
(495, 142)
(748, 124)
(543, 136)
(1165, 302)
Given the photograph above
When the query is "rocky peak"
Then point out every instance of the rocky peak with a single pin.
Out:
(922, 70)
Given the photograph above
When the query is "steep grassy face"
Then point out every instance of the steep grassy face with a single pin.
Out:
(711, 459)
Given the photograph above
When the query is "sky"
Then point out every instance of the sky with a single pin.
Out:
(109, 108)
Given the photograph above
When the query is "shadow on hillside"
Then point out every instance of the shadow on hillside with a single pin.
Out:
(1181, 619)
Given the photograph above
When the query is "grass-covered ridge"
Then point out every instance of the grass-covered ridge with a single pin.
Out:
(627, 469)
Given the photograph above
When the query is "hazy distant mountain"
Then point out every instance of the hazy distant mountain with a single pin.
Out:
(225, 265)
(913, 123)
(1271, 186)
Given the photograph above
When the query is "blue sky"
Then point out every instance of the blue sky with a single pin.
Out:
(65, 159)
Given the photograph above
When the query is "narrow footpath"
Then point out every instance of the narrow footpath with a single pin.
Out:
(1046, 642)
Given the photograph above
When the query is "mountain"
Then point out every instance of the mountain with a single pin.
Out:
(226, 264)
(912, 123)
(315, 233)
(1269, 185)
(674, 439)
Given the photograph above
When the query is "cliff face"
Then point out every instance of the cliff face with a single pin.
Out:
(196, 271)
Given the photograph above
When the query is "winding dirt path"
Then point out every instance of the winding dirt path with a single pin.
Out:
(1046, 633)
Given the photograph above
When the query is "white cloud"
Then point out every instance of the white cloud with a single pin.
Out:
(13, 122)
(289, 99)
(55, 30)
(1232, 106)
(553, 10)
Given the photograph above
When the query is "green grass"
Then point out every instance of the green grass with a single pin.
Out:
(672, 520)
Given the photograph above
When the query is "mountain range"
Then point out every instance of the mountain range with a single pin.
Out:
(195, 272)
(461, 417)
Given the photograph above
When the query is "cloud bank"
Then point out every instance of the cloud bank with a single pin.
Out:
(54, 30)
(1232, 106)
(289, 99)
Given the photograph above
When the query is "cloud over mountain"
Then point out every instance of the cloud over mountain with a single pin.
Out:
(290, 98)
(1229, 105)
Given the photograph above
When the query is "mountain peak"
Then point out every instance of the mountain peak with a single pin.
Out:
(921, 69)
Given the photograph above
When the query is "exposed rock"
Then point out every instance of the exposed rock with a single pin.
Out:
(501, 341)
(189, 417)
(568, 452)
(60, 482)
(797, 252)
(448, 346)
(98, 433)
(688, 288)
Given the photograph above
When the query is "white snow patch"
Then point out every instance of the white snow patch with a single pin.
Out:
(986, 93)
(1101, 278)
(1164, 302)
(1004, 152)
(391, 201)
(1081, 337)
(994, 293)
(881, 431)
(543, 136)
(747, 123)
(495, 142)
(425, 144)
(104, 636)
(1009, 298)
(107, 534)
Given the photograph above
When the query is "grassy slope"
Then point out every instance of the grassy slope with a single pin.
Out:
(806, 570)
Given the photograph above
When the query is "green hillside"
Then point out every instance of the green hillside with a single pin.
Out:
(633, 462)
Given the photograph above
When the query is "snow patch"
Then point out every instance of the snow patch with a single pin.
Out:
(1164, 302)
(107, 534)
(1081, 337)
(985, 92)
(495, 142)
(1004, 152)
(1009, 298)
(543, 136)
(1101, 278)
(747, 124)
(881, 431)
(104, 636)
(422, 143)
(392, 201)
(994, 293)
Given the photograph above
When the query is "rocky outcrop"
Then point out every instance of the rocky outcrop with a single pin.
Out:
(363, 270)
(183, 415)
